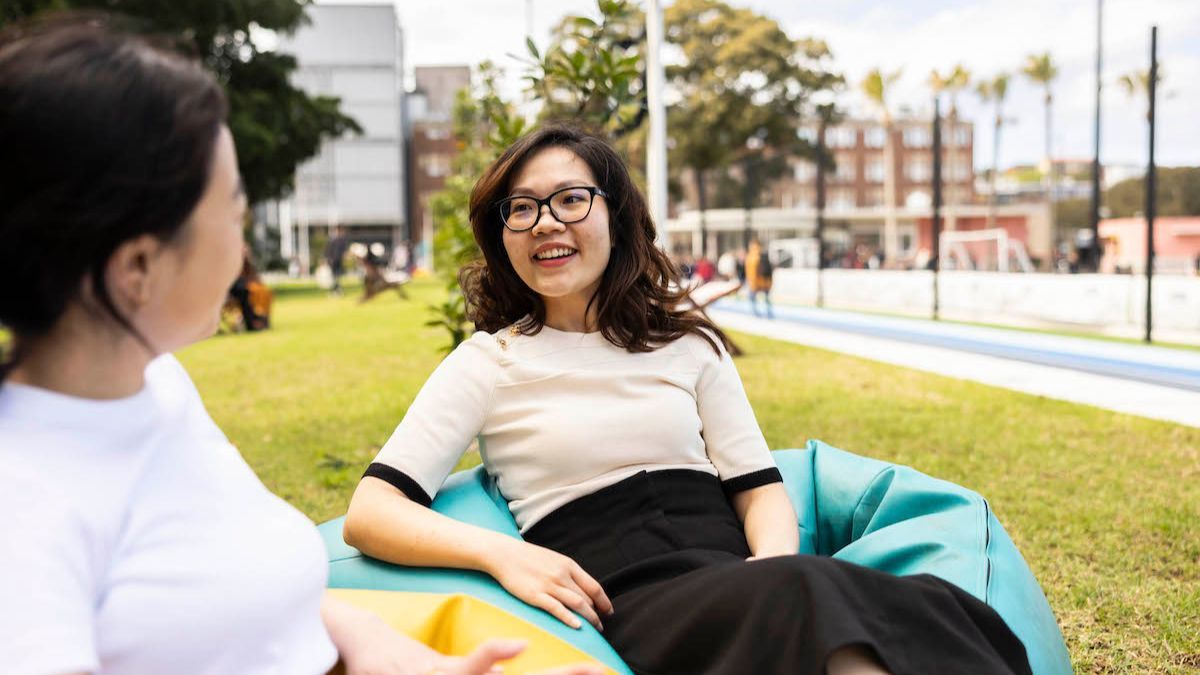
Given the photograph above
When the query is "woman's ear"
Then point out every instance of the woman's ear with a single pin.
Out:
(131, 272)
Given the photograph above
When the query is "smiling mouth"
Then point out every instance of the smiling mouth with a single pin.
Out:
(555, 253)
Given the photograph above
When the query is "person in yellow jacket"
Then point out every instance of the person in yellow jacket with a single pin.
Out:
(759, 273)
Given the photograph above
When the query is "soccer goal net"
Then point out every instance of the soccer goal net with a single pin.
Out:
(989, 250)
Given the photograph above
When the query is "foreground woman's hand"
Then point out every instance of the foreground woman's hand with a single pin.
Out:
(550, 581)
(415, 658)
(368, 646)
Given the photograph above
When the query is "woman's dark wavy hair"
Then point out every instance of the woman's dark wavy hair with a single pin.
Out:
(639, 302)
(104, 137)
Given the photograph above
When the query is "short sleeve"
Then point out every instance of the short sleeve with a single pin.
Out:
(732, 438)
(446, 415)
(48, 586)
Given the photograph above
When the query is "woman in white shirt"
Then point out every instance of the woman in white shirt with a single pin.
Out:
(616, 426)
(135, 538)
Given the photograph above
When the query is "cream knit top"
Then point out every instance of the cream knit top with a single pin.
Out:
(561, 415)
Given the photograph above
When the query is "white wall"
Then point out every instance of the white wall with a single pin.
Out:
(353, 52)
(1111, 304)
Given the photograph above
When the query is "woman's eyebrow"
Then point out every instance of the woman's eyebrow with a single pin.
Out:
(563, 184)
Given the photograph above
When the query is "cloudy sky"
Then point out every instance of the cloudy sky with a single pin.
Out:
(987, 36)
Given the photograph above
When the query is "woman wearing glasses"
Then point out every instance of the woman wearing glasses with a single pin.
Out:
(617, 428)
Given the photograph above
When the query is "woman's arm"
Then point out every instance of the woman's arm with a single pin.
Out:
(383, 523)
(769, 520)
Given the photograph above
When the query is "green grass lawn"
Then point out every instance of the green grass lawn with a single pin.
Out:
(1104, 506)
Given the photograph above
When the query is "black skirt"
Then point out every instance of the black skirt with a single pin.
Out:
(670, 553)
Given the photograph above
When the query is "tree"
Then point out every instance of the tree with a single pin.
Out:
(484, 124)
(951, 83)
(875, 86)
(741, 78)
(1176, 193)
(994, 91)
(1136, 84)
(275, 125)
(1040, 69)
(589, 74)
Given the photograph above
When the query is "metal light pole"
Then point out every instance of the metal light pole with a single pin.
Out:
(1150, 181)
(822, 127)
(747, 202)
(937, 198)
(1094, 257)
(656, 145)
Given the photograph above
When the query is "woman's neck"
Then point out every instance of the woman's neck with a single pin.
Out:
(571, 315)
(80, 357)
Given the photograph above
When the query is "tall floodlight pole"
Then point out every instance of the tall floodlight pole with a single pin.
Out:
(1095, 252)
(656, 146)
(1150, 180)
(936, 225)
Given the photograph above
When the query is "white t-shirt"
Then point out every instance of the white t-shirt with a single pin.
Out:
(135, 539)
(561, 415)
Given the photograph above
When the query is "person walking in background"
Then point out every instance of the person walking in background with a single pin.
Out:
(759, 274)
(335, 253)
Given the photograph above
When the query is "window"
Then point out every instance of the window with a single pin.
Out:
(918, 199)
(847, 169)
(841, 137)
(808, 134)
(437, 133)
(435, 165)
(804, 171)
(875, 170)
(874, 137)
(873, 197)
(841, 199)
(962, 135)
(917, 169)
(916, 137)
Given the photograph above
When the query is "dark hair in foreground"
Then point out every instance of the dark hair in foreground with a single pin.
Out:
(639, 301)
(105, 137)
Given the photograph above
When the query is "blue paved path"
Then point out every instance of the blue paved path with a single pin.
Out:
(1175, 368)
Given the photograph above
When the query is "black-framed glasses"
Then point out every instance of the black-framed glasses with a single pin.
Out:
(568, 205)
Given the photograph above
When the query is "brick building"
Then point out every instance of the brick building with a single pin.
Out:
(858, 149)
(431, 147)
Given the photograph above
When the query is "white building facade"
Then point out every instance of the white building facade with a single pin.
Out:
(358, 183)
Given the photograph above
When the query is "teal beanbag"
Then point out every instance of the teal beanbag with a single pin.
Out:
(861, 510)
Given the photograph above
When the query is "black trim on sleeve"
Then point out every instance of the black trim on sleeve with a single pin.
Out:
(401, 481)
(748, 481)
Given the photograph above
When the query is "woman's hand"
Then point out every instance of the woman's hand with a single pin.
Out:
(368, 646)
(550, 581)
(400, 655)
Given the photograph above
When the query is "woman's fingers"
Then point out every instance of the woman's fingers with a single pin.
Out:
(577, 669)
(579, 603)
(593, 590)
(557, 609)
(483, 659)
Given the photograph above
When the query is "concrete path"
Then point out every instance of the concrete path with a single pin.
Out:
(1155, 382)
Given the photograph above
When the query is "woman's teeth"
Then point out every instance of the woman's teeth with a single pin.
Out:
(550, 254)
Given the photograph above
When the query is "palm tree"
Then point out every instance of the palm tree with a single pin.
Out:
(1137, 83)
(1040, 69)
(875, 85)
(953, 82)
(994, 91)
